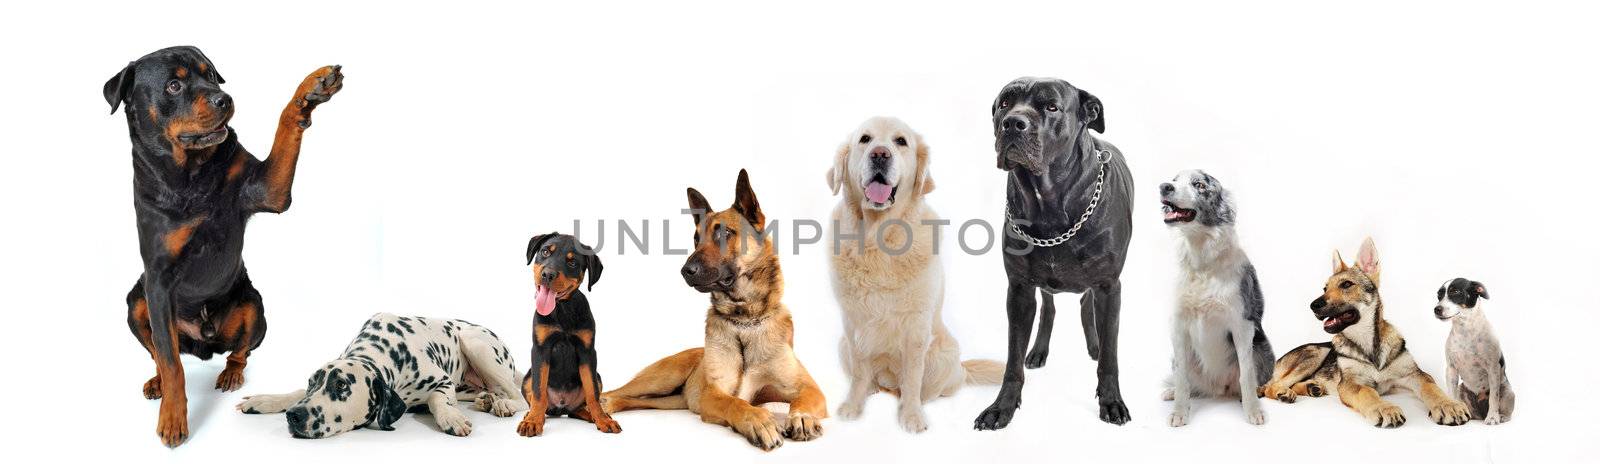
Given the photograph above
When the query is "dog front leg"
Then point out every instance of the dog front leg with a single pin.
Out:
(913, 366)
(269, 404)
(536, 389)
(1366, 401)
(806, 408)
(1020, 310)
(442, 404)
(862, 383)
(1182, 365)
(1493, 416)
(590, 383)
(1108, 310)
(1452, 380)
(172, 424)
(271, 187)
(1244, 335)
(1443, 409)
(722, 367)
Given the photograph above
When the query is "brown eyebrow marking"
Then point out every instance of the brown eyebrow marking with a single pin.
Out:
(202, 67)
(182, 72)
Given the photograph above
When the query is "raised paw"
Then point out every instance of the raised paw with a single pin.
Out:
(1037, 357)
(1449, 412)
(1388, 416)
(996, 417)
(320, 86)
(761, 431)
(1113, 411)
(173, 424)
(912, 420)
(803, 427)
(532, 425)
(454, 424)
(152, 388)
(230, 379)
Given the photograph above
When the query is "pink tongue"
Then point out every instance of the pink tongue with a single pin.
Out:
(1332, 321)
(1174, 214)
(879, 192)
(544, 301)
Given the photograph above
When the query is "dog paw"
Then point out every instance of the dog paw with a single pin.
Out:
(320, 85)
(1255, 416)
(532, 425)
(1492, 419)
(1449, 413)
(912, 419)
(1388, 416)
(497, 405)
(1315, 390)
(996, 417)
(761, 431)
(1037, 357)
(230, 379)
(261, 404)
(152, 388)
(803, 427)
(1281, 394)
(1178, 419)
(454, 424)
(173, 423)
(850, 410)
(606, 424)
(1114, 412)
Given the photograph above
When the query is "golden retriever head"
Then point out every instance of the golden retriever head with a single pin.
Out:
(881, 163)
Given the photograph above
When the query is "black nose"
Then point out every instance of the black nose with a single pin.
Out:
(221, 100)
(1014, 124)
(297, 417)
(547, 276)
(1438, 310)
(1166, 189)
(691, 268)
(1319, 303)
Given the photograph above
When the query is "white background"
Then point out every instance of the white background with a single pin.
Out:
(1460, 137)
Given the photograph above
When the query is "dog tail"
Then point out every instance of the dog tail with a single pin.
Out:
(983, 371)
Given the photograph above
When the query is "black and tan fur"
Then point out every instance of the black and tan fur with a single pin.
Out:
(1367, 357)
(748, 358)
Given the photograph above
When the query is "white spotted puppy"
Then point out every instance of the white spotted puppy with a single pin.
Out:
(1477, 369)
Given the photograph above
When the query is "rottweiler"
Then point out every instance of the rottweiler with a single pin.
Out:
(563, 380)
(194, 188)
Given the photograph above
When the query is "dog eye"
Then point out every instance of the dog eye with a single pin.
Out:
(572, 263)
(1199, 185)
(1455, 292)
(174, 86)
(1005, 103)
(1346, 284)
(866, 138)
(901, 141)
(1051, 108)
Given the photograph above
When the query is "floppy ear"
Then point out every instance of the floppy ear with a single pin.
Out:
(592, 261)
(698, 203)
(1478, 289)
(924, 179)
(1338, 263)
(1367, 259)
(385, 407)
(837, 173)
(116, 89)
(744, 201)
(534, 244)
(1092, 112)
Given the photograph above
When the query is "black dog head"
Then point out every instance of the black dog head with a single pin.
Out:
(1458, 296)
(559, 264)
(174, 101)
(1037, 119)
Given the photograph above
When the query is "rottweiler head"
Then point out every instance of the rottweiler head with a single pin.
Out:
(1458, 296)
(174, 100)
(730, 245)
(341, 396)
(1350, 296)
(559, 264)
(1037, 119)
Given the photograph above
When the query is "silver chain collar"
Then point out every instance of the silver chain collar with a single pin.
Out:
(1103, 156)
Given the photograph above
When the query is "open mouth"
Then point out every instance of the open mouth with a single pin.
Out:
(207, 138)
(1172, 214)
(1338, 322)
(879, 192)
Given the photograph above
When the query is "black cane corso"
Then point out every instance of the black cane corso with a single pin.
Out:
(1054, 169)
(194, 187)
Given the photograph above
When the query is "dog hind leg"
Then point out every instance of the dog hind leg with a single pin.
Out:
(1047, 322)
(657, 381)
(491, 360)
(244, 328)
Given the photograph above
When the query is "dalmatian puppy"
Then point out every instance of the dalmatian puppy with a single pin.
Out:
(395, 364)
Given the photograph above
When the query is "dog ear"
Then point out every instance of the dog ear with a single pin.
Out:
(837, 174)
(1338, 263)
(385, 406)
(1367, 259)
(1479, 290)
(1092, 112)
(116, 89)
(592, 261)
(744, 201)
(924, 178)
(699, 206)
(534, 244)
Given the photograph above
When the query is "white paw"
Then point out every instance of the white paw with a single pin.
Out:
(454, 423)
(263, 404)
(850, 410)
(1178, 419)
(498, 405)
(1255, 416)
(1493, 419)
(912, 420)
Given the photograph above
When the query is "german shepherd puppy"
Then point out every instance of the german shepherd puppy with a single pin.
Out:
(748, 358)
(1367, 357)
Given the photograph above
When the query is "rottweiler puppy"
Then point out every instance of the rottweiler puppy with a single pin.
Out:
(194, 188)
(563, 380)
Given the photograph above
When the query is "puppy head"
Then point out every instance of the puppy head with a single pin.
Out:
(876, 161)
(559, 264)
(174, 93)
(1194, 196)
(1458, 296)
(729, 244)
(341, 396)
(1350, 296)
(1038, 119)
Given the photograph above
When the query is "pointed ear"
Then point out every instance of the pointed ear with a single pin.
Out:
(534, 244)
(592, 261)
(837, 174)
(1338, 263)
(116, 89)
(698, 203)
(924, 178)
(1480, 290)
(744, 201)
(384, 407)
(1367, 259)
(1092, 112)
